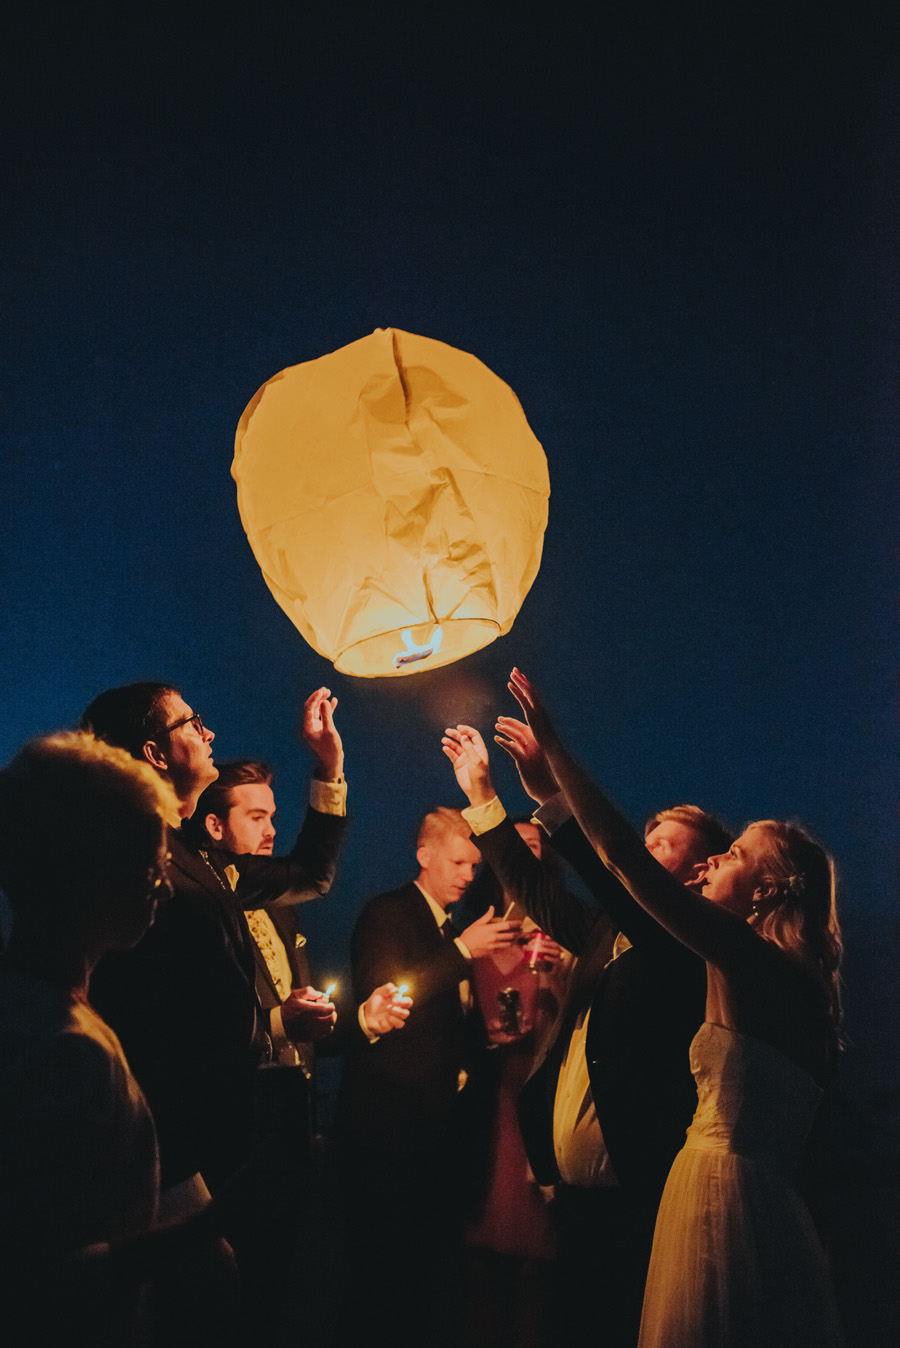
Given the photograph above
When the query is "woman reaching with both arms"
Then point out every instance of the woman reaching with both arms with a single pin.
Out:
(736, 1260)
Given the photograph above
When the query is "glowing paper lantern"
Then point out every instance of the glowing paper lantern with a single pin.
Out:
(396, 500)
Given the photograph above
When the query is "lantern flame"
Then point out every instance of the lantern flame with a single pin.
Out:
(414, 652)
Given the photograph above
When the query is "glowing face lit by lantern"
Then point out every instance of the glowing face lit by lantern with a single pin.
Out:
(396, 500)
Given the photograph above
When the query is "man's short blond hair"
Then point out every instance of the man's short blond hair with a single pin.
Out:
(438, 823)
(712, 834)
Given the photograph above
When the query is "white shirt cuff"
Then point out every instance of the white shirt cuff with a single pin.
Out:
(364, 1025)
(553, 813)
(280, 1040)
(481, 818)
(328, 797)
(183, 1199)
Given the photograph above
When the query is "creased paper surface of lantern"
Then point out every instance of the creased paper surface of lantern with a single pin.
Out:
(389, 489)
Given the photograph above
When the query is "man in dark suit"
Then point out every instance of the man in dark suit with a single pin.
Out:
(409, 1110)
(183, 1001)
(610, 1096)
(237, 810)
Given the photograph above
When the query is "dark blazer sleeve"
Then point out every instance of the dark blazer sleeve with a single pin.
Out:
(347, 1034)
(390, 945)
(305, 873)
(533, 886)
(626, 913)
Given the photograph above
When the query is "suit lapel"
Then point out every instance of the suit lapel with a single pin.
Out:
(215, 888)
(582, 988)
(590, 966)
(422, 918)
(190, 863)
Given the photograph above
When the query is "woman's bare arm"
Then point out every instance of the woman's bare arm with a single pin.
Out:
(713, 933)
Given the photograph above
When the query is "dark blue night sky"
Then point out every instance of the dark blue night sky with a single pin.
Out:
(671, 228)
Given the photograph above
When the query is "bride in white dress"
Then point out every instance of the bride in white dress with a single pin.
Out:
(736, 1260)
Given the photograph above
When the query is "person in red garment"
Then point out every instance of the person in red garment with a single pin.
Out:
(513, 1239)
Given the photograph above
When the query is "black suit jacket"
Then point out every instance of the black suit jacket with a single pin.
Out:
(406, 1086)
(645, 1008)
(183, 1000)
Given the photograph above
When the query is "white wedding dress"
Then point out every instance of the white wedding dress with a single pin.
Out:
(736, 1259)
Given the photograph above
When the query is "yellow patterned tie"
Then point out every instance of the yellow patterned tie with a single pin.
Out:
(262, 932)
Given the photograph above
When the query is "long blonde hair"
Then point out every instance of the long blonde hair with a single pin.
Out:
(803, 918)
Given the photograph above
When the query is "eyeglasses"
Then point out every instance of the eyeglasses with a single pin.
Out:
(193, 719)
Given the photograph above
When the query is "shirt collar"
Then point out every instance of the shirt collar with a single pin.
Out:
(437, 912)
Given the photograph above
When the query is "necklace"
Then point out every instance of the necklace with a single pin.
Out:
(205, 856)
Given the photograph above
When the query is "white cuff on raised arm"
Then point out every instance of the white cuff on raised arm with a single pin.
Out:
(553, 813)
(480, 818)
(328, 797)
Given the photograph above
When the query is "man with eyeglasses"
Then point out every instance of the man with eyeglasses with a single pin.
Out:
(183, 1001)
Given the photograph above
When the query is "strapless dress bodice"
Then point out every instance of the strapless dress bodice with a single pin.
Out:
(751, 1099)
(736, 1259)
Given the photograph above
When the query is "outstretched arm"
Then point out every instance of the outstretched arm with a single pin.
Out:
(307, 873)
(534, 771)
(468, 753)
(522, 877)
(567, 838)
(713, 933)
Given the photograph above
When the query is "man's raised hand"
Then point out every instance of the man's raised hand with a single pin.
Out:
(320, 733)
(468, 753)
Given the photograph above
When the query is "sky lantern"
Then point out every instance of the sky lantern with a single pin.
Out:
(395, 499)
